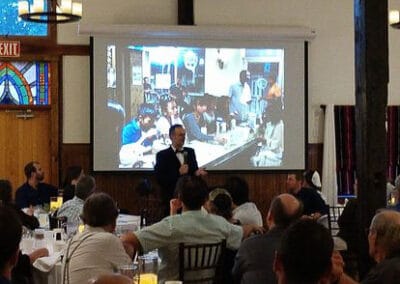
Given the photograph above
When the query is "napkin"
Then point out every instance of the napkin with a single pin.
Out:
(47, 263)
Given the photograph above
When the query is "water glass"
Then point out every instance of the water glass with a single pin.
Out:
(39, 240)
(148, 269)
(129, 270)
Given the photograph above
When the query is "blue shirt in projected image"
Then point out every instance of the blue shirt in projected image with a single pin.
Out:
(11, 25)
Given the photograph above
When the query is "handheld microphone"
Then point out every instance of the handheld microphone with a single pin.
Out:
(185, 157)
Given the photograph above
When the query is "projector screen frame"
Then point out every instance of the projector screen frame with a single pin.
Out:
(209, 36)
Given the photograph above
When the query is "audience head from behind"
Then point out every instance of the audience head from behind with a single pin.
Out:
(312, 179)
(5, 191)
(10, 237)
(192, 191)
(220, 203)
(384, 235)
(72, 175)
(100, 210)
(304, 255)
(284, 210)
(85, 186)
(294, 182)
(238, 189)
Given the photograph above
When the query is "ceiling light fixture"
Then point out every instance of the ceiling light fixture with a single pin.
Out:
(50, 11)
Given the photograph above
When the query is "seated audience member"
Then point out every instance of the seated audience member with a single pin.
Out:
(312, 179)
(384, 248)
(10, 237)
(243, 210)
(27, 219)
(253, 262)
(96, 250)
(138, 136)
(347, 222)
(169, 117)
(22, 272)
(304, 254)
(34, 191)
(192, 226)
(72, 175)
(270, 137)
(220, 203)
(313, 204)
(194, 121)
(72, 209)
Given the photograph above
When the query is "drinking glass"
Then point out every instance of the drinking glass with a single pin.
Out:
(129, 270)
(148, 269)
(53, 203)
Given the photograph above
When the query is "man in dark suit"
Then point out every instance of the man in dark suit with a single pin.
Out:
(174, 162)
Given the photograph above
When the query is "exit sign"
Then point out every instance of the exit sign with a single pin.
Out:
(10, 48)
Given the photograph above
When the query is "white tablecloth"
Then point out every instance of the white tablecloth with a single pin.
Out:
(124, 223)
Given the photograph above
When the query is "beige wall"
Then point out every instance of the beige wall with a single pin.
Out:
(331, 53)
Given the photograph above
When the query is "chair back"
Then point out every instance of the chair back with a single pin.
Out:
(334, 213)
(198, 263)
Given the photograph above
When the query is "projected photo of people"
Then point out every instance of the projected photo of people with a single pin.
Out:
(229, 100)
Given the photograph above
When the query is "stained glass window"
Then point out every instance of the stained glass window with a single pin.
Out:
(25, 83)
(12, 25)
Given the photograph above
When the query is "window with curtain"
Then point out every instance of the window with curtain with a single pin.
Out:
(345, 147)
(24, 83)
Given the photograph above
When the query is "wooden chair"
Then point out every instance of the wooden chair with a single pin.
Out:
(199, 263)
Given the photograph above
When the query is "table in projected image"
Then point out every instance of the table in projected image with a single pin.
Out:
(212, 155)
(208, 154)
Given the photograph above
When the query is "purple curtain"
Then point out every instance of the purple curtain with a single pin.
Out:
(345, 149)
(393, 130)
(345, 146)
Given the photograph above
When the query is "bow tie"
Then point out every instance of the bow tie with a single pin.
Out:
(179, 151)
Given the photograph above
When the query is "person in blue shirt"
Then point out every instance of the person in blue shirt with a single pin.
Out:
(144, 121)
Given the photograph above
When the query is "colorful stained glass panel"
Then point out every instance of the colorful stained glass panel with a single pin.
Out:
(25, 83)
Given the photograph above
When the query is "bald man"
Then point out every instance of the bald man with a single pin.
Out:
(384, 248)
(253, 262)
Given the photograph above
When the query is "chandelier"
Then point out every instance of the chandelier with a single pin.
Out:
(50, 11)
(394, 19)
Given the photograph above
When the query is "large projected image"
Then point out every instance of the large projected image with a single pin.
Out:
(233, 103)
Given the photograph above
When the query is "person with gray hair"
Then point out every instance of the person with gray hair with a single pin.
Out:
(253, 262)
(384, 248)
(97, 250)
(73, 208)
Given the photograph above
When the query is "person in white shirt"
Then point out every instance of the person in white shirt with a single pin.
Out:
(243, 210)
(96, 250)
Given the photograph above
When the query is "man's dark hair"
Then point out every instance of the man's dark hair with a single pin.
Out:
(85, 187)
(305, 252)
(222, 204)
(5, 191)
(72, 172)
(11, 232)
(238, 189)
(192, 191)
(30, 169)
(146, 109)
(173, 127)
(99, 210)
(281, 217)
